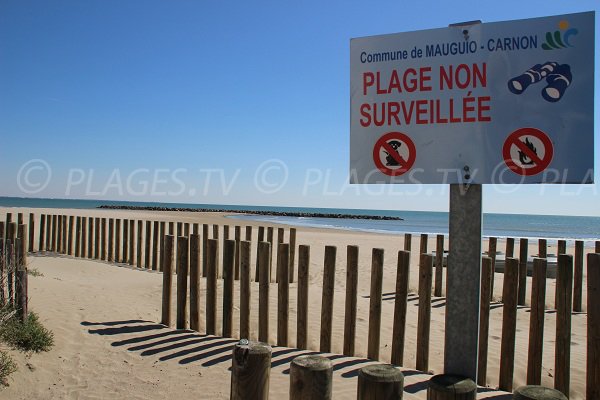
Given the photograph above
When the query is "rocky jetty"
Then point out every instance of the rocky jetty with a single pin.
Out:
(255, 212)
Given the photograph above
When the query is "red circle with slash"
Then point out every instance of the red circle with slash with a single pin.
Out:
(398, 163)
(517, 147)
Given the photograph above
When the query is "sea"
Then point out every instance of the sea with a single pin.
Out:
(430, 222)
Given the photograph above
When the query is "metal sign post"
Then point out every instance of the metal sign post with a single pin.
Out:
(463, 281)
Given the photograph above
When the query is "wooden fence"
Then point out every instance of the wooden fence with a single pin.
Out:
(194, 254)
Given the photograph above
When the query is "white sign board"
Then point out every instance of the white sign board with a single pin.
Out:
(503, 102)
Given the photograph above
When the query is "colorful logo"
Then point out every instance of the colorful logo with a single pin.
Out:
(559, 39)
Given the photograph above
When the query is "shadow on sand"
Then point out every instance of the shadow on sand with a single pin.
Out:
(148, 338)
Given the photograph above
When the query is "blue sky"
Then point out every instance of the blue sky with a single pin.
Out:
(216, 102)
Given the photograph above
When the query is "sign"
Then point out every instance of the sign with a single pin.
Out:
(394, 154)
(449, 103)
(527, 151)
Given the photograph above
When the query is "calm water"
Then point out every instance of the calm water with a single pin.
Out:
(500, 225)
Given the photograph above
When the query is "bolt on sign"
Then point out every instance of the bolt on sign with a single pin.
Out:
(503, 102)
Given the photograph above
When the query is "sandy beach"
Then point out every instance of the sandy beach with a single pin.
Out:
(110, 345)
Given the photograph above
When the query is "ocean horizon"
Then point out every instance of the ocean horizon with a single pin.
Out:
(499, 225)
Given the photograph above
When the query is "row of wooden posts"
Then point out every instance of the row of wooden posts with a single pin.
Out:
(510, 297)
(116, 240)
(311, 377)
(13, 267)
(196, 257)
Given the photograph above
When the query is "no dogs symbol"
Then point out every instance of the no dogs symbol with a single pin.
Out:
(527, 151)
(394, 153)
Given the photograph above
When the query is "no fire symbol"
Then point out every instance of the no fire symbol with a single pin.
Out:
(527, 151)
(394, 153)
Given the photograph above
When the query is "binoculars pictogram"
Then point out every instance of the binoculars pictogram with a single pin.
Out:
(558, 78)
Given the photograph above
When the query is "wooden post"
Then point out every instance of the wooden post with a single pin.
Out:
(423, 246)
(327, 299)
(50, 233)
(261, 238)
(245, 292)
(400, 307)
(117, 240)
(9, 254)
(578, 278)
(536, 322)
(302, 317)
(292, 253)
(407, 242)
(179, 228)
(194, 280)
(83, 236)
(238, 238)
(264, 261)
(102, 240)
(270, 240)
(439, 265)
(228, 261)
(77, 237)
(484, 320)
(509, 323)
(161, 245)
(58, 236)
(19, 218)
(196, 228)
(280, 235)
(593, 327)
(375, 304)
(543, 248)
(167, 278)
(523, 244)
(215, 231)
(63, 249)
(186, 229)
(380, 382)
(534, 392)
(510, 248)
(155, 249)
(424, 318)
(283, 293)
(132, 243)
(225, 232)
(451, 387)
(21, 294)
(311, 378)
(21, 249)
(212, 261)
(204, 248)
(562, 357)
(91, 237)
(30, 246)
(69, 237)
(182, 275)
(140, 228)
(351, 299)
(97, 241)
(492, 246)
(251, 366)
(597, 249)
(171, 228)
(148, 249)
(111, 238)
(562, 247)
(21, 274)
(42, 241)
